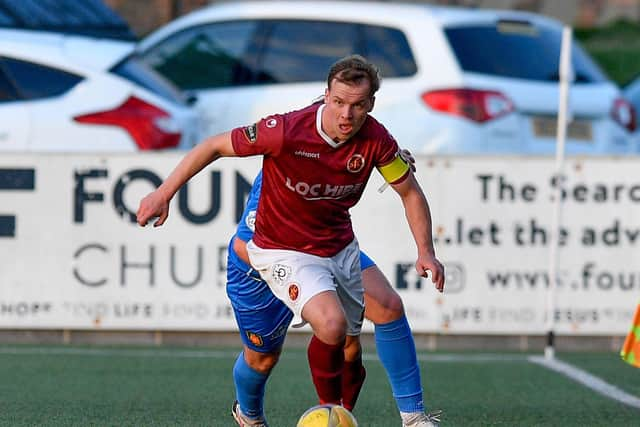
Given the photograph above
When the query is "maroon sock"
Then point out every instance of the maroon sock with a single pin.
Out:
(353, 375)
(326, 362)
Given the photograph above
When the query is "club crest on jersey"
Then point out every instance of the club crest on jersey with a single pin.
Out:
(356, 163)
(250, 220)
(251, 133)
(294, 291)
(280, 273)
(255, 339)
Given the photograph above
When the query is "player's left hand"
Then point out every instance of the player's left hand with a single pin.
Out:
(429, 263)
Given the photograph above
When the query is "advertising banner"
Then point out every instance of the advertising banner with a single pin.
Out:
(72, 256)
(491, 223)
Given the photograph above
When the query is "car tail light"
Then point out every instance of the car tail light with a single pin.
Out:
(149, 126)
(624, 114)
(477, 105)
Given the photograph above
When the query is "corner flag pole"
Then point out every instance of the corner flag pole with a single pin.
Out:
(565, 76)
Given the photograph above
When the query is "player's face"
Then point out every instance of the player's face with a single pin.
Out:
(346, 108)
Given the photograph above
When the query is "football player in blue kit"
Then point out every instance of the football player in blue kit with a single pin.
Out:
(263, 321)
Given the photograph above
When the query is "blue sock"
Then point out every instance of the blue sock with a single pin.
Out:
(250, 386)
(397, 352)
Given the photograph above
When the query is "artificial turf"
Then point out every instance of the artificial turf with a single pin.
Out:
(106, 386)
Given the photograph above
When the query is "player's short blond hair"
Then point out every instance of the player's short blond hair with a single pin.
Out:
(353, 69)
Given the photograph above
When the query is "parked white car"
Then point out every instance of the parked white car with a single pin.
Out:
(631, 92)
(455, 80)
(74, 93)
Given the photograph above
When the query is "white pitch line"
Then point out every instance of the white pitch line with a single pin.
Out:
(591, 381)
(472, 358)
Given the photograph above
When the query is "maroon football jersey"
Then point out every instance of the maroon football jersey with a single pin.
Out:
(309, 182)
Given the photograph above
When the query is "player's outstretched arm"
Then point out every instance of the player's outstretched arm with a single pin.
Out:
(419, 218)
(156, 203)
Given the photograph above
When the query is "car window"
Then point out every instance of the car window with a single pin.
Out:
(137, 71)
(303, 51)
(389, 49)
(235, 53)
(517, 50)
(6, 20)
(207, 56)
(34, 81)
(7, 91)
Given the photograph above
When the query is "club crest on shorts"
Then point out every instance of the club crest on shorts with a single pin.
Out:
(294, 291)
(356, 163)
(255, 339)
(251, 133)
(280, 273)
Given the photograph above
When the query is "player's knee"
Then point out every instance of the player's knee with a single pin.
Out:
(327, 318)
(394, 308)
(382, 302)
(332, 330)
(261, 362)
(389, 309)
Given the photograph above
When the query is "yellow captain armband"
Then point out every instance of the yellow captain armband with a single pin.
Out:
(393, 171)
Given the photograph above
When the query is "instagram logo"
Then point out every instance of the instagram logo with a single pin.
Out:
(406, 277)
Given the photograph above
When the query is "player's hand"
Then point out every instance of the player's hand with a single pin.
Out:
(408, 158)
(154, 205)
(429, 263)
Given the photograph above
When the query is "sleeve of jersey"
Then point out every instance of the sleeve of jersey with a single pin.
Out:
(264, 137)
(393, 168)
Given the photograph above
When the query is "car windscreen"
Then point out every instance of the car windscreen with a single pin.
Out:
(136, 71)
(518, 49)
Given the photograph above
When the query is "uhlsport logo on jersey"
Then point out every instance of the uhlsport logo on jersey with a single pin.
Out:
(356, 163)
(323, 191)
(294, 291)
(307, 154)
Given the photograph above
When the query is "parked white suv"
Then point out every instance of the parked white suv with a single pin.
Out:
(455, 80)
(74, 93)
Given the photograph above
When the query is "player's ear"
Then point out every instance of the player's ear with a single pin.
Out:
(326, 96)
(373, 101)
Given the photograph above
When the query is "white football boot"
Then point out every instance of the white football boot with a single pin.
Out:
(243, 421)
(420, 419)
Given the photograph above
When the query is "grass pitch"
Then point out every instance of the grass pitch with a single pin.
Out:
(125, 386)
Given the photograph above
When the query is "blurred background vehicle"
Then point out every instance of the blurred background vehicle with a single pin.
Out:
(74, 93)
(631, 92)
(455, 80)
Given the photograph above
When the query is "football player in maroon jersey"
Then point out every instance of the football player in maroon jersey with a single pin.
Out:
(316, 162)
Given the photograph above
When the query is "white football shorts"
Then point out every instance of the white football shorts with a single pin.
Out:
(295, 277)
